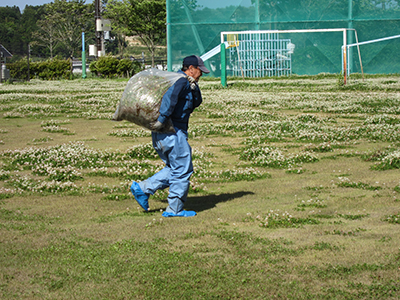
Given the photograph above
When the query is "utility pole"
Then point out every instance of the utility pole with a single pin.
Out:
(102, 25)
(99, 34)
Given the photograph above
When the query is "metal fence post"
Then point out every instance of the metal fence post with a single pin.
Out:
(83, 57)
(223, 65)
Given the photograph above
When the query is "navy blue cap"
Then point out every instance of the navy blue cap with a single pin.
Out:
(194, 60)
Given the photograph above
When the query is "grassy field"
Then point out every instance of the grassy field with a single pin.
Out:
(296, 186)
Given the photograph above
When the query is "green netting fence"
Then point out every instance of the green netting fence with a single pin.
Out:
(195, 26)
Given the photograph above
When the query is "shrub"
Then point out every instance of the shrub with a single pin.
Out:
(92, 67)
(108, 66)
(55, 69)
(48, 70)
(19, 69)
(128, 67)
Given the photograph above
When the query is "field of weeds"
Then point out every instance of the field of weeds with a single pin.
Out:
(296, 187)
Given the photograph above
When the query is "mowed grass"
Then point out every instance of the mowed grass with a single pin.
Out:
(296, 186)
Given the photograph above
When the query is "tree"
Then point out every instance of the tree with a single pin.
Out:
(144, 18)
(28, 25)
(46, 35)
(9, 30)
(63, 24)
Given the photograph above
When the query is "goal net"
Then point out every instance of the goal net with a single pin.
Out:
(266, 53)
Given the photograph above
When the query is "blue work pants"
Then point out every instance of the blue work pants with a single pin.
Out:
(176, 153)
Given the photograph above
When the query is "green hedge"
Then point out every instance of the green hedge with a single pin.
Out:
(47, 70)
(105, 66)
(19, 69)
(55, 69)
(108, 66)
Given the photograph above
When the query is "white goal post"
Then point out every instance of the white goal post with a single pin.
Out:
(348, 47)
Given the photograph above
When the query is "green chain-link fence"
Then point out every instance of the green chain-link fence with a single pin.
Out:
(195, 26)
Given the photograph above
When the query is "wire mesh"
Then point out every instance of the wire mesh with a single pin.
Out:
(258, 55)
(194, 27)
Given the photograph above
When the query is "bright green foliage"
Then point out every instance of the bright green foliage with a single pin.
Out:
(54, 69)
(105, 66)
(69, 19)
(108, 66)
(47, 34)
(140, 17)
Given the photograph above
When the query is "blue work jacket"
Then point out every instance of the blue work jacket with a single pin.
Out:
(179, 102)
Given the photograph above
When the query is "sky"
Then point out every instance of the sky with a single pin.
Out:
(22, 3)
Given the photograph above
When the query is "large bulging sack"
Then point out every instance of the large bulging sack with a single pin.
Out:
(141, 99)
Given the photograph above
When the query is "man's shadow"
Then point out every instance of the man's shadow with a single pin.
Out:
(201, 203)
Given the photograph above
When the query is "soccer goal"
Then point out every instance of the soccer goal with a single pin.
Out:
(262, 53)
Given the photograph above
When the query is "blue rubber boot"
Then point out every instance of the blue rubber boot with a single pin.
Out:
(140, 196)
(183, 213)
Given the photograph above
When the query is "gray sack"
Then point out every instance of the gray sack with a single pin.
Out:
(141, 99)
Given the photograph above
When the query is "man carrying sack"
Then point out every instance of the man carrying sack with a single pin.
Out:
(173, 148)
